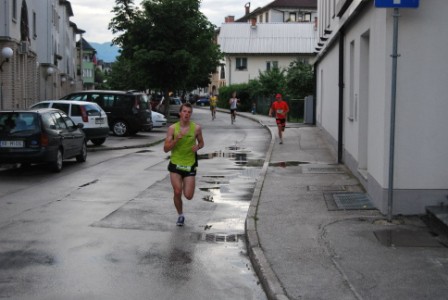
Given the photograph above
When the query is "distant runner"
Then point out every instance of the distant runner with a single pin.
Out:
(281, 109)
(213, 103)
(233, 102)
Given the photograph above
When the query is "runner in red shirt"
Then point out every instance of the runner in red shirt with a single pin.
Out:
(281, 109)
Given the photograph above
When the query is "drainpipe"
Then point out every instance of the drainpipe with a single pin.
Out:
(341, 97)
(230, 71)
(314, 96)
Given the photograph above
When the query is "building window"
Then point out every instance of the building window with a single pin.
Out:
(307, 17)
(34, 25)
(14, 10)
(292, 17)
(266, 17)
(271, 65)
(241, 63)
(352, 95)
(222, 73)
(87, 73)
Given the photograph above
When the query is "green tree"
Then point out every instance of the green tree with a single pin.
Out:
(99, 78)
(272, 81)
(121, 76)
(166, 45)
(300, 79)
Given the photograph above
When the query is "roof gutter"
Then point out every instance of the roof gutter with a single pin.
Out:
(335, 38)
(341, 97)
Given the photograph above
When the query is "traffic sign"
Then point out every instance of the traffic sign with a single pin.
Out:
(397, 3)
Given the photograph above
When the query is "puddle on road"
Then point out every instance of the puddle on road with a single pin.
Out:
(238, 155)
(20, 259)
(238, 173)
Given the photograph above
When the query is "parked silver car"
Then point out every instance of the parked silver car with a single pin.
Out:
(91, 115)
(175, 104)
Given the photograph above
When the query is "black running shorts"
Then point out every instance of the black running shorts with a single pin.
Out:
(181, 170)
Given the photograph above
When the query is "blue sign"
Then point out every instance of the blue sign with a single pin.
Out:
(397, 3)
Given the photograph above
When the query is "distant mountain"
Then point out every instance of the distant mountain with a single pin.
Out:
(105, 51)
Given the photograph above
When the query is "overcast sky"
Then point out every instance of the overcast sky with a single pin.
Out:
(94, 16)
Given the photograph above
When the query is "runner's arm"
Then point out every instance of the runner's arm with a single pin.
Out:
(270, 111)
(170, 141)
(199, 138)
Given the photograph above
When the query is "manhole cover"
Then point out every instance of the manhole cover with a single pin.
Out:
(217, 237)
(348, 201)
(406, 238)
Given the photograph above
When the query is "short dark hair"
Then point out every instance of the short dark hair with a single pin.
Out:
(186, 104)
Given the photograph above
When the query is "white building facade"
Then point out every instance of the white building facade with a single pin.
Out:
(270, 36)
(44, 60)
(353, 99)
(253, 48)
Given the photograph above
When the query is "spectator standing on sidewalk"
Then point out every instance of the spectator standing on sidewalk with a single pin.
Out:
(183, 139)
(281, 109)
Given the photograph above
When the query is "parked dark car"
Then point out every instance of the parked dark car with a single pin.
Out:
(203, 101)
(127, 112)
(45, 135)
(91, 115)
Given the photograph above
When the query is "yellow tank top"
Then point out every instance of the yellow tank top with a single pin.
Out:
(182, 154)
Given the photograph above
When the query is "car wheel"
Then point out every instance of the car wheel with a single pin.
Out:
(98, 142)
(120, 128)
(82, 157)
(56, 165)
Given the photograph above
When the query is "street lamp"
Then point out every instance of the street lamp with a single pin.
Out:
(6, 54)
(49, 71)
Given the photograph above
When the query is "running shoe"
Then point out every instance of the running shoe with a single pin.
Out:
(180, 221)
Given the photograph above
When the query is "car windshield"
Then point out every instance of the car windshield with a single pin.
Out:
(144, 102)
(176, 101)
(13, 122)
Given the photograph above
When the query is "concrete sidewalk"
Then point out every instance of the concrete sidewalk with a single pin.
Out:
(312, 235)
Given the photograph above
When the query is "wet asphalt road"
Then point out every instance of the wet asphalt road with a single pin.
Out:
(106, 229)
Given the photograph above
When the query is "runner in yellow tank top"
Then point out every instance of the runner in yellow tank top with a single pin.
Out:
(183, 139)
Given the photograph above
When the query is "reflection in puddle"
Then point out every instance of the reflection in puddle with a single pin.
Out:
(236, 180)
(239, 158)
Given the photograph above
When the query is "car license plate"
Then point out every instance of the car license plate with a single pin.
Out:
(11, 144)
(99, 121)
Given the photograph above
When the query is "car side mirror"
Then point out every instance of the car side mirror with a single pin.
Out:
(80, 126)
